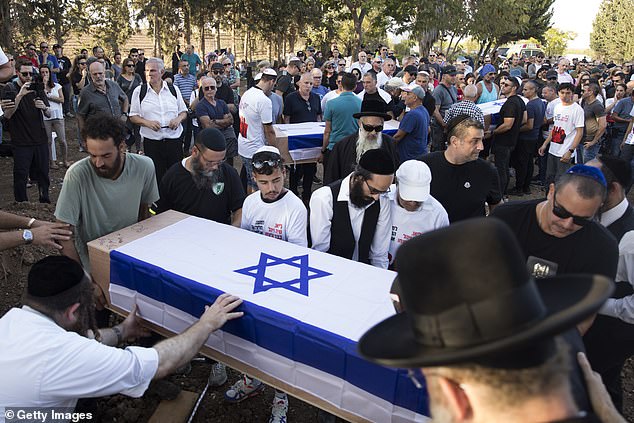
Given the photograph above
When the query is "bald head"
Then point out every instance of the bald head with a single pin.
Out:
(470, 92)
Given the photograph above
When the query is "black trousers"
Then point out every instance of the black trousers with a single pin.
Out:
(164, 153)
(31, 160)
(524, 153)
(502, 163)
(308, 172)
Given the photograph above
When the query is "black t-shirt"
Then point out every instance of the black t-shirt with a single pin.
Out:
(64, 67)
(26, 125)
(178, 192)
(225, 93)
(140, 69)
(513, 107)
(285, 84)
(300, 110)
(463, 189)
(592, 249)
(429, 103)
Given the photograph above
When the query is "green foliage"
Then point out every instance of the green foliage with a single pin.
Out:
(612, 34)
(102, 16)
(556, 41)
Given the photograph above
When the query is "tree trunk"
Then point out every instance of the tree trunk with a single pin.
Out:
(201, 26)
(218, 47)
(246, 46)
(187, 23)
(233, 40)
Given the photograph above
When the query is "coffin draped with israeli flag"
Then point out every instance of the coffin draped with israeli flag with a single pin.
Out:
(304, 311)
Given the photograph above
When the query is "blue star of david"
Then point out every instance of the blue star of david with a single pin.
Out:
(298, 285)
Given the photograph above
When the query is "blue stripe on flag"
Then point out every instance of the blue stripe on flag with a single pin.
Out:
(274, 331)
(315, 140)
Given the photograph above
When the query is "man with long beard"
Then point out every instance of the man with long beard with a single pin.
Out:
(350, 218)
(50, 359)
(346, 153)
(203, 184)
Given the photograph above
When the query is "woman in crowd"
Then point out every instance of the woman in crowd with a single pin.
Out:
(55, 121)
(310, 64)
(117, 66)
(329, 72)
(128, 81)
(356, 72)
(78, 80)
(583, 79)
(233, 79)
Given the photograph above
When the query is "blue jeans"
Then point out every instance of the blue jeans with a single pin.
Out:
(248, 167)
(591, 153)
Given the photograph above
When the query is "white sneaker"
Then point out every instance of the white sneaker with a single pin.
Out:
(243, 388)
(218, 375)
(279, 409)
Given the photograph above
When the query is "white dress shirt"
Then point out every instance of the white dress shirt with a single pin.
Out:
(161, 107)
(384, 95)
(321, 212)
(381, 79)
(363, 67)
(43, 365)
(621, 308)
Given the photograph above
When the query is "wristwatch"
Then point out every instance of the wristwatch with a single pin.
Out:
(27, 236)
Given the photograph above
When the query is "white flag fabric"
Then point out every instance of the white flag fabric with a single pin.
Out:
(304, 310)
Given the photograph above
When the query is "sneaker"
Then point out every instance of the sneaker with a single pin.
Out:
(279, 409)
(218, 376)
(244, 388)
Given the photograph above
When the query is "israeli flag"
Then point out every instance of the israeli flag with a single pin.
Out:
(304, 311)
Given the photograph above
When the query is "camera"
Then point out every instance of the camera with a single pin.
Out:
(37, 84)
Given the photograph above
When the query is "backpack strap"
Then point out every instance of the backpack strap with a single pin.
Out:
(143, 92)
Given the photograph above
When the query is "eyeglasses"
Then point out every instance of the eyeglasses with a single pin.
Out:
(259, 164)
(374, 191)
(370, 128)
(562, 213)
(26, 73)
(209, 162)
(209, 88)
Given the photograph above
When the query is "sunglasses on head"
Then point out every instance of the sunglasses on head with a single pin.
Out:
(562, 213)
(370, 128)
(259, 164)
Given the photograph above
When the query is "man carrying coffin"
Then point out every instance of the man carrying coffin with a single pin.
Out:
(350, 218)
(346, 153)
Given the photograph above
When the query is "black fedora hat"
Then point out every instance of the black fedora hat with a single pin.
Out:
(373, 108)
(468, 297)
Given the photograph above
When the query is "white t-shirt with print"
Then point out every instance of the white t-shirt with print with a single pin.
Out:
(255, 111)
(406, 225)
(284, 219)
(567, 121)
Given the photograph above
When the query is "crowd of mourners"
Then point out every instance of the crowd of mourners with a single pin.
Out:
(411, 145)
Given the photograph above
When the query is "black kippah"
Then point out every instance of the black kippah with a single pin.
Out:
(377, 161)
(619, 167)
(53, 275)
(212, 139)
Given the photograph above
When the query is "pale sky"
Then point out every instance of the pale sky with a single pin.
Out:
(577, 16)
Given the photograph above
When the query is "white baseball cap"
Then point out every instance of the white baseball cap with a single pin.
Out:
(268, 148)
(413, 179)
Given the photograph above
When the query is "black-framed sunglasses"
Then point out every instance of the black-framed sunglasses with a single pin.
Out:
(217, 72)
(210, 88)
(370, 128)
(129, 65)
(562, 213)
(259, 164)
(374, 191)
(26, 74)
